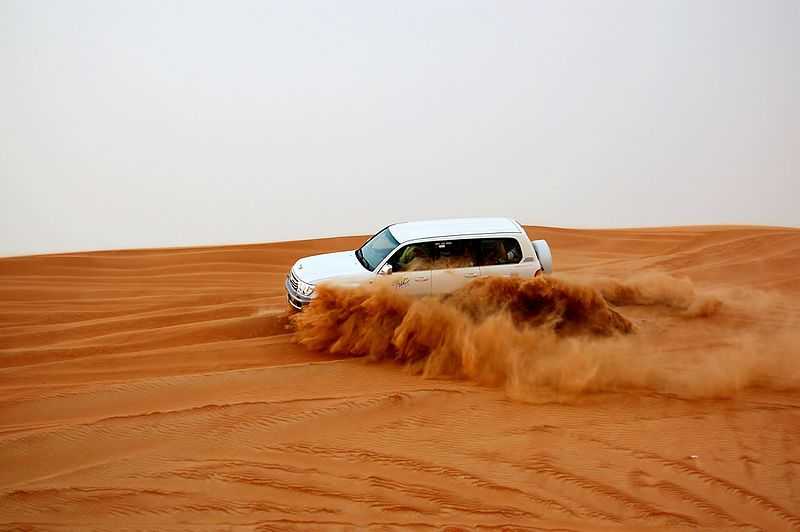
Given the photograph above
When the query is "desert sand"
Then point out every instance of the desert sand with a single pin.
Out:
(168, 389)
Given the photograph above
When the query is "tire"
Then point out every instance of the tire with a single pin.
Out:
(542, 250)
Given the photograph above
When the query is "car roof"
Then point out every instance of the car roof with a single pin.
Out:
(403, 232)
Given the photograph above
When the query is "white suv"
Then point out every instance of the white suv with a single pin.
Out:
(426, 258)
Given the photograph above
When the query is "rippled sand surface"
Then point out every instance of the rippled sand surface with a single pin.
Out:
(165, 389)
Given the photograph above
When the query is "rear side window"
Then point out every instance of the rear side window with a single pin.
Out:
(449, 254)
(495, 251)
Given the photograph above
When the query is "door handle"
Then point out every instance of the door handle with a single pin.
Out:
(420, 278)
(471, 274)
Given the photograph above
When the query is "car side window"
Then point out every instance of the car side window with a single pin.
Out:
(449, 254)
(497, 251)
(413, 257)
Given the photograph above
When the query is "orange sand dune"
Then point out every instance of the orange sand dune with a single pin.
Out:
(165, 389)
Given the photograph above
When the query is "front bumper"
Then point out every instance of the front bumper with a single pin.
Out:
(296, 300)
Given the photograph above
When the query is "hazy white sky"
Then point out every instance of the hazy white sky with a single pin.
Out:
(128, 124)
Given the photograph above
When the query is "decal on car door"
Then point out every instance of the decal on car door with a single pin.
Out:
(401, 283)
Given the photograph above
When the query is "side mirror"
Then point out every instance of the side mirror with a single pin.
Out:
(386, 270)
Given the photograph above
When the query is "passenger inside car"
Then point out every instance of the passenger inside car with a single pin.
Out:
(454, 254)
(495, 251)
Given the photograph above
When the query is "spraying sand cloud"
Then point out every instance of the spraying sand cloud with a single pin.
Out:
(560, 337)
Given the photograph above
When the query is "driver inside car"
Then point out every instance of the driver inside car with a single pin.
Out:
(413, 257)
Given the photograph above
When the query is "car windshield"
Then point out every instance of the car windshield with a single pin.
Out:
(376, 249)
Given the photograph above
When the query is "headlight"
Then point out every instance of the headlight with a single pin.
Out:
(305, 289)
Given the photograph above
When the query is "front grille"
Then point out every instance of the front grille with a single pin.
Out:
(296, 303)
(293, 280)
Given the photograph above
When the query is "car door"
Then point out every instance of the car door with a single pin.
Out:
(411, 269)
(454, 265)
(500, 257)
